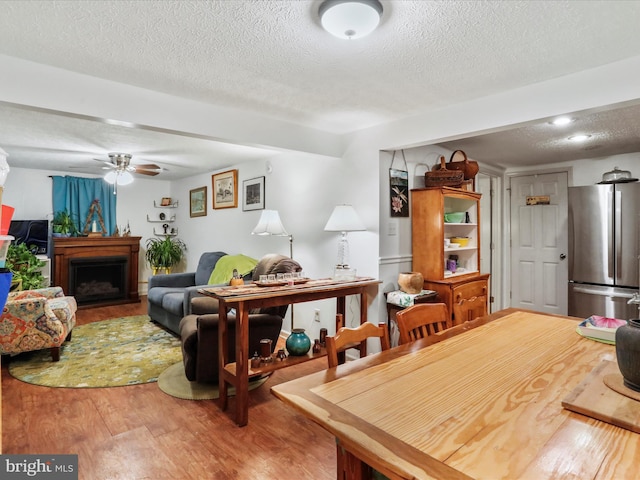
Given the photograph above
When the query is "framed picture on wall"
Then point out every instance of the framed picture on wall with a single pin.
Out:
(198, 202)
(225, 189)
(253, 194)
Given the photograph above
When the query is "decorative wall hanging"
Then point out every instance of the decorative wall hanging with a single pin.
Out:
(253, 194)
(90, 223)
(198, 202)
(225, 189)
(399, 188)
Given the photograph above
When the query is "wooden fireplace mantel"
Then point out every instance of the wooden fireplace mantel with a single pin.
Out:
(67, 248)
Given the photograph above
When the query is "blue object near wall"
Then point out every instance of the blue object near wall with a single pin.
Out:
(76, 194)
(5, 285)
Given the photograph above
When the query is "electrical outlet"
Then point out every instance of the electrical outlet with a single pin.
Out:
(316, 315)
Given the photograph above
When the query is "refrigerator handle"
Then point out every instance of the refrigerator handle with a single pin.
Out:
(612, 223)
(593, 291)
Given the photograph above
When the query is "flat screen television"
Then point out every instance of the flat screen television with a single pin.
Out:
(35, 233)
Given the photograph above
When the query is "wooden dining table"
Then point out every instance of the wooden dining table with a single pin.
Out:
(485, 404)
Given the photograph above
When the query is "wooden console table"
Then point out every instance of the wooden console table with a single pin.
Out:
(246, 297)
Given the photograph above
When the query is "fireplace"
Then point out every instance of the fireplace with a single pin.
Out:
(98, 279)
(97, 271)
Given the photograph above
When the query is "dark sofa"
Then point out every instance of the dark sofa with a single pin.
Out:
(169, 296)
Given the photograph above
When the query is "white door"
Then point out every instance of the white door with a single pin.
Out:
(539, 273)
(486, 185)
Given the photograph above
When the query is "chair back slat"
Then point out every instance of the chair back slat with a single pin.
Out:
(422, 320)
(346, 338)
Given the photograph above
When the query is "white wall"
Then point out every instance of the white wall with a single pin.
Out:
(30, 193)
(589, 171)
(304, 187)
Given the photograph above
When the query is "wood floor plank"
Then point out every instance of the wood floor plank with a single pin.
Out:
(139, 432)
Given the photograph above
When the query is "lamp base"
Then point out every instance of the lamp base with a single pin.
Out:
(344, 272)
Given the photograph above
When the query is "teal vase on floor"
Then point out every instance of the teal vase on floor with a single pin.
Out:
(298, 343)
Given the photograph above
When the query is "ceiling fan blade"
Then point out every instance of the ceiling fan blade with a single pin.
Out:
(151, 173)
(148, 166)
(105, 163)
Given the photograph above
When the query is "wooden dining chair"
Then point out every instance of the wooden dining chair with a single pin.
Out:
(422, 320)
(346, 338)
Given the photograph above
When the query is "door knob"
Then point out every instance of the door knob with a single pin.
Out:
(562, 256)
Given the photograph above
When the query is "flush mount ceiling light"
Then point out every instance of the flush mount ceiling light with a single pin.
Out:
(579, 138)
(350, 19)
(560, 121)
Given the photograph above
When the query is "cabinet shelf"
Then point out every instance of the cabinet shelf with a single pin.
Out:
(448, 274)
(461, 249)
(429, 206)
(465, 292)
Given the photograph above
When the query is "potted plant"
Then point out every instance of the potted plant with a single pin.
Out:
(164, 254)
(25, 266)
(63, 224)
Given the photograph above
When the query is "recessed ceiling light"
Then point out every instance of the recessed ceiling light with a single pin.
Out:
(561, 121)
(579, 138)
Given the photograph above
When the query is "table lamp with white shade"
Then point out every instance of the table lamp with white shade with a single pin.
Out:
(344, 219)
(270, 224)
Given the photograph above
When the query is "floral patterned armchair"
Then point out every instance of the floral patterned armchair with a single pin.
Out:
(37, 319)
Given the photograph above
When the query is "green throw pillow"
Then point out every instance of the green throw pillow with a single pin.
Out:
(223, 271)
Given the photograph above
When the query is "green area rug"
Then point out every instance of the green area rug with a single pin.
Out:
(174, 382)
(111, 353)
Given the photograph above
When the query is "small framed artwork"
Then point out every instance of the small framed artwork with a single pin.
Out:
(198, 202)
(253, 190)
(225, 189)
(165, 202)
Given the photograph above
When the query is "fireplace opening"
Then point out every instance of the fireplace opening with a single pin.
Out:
(98, 279)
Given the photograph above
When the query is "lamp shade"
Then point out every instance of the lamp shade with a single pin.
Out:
(125, 178)
(118, 177)
(269, 224)
(344, 219)
(4, 167)
(350, 19)
(111, 177)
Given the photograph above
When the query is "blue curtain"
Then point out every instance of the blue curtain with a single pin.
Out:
(76, 194)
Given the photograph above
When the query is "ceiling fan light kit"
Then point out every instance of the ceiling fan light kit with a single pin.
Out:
(121, 178)
(350, 19)
(121, 169)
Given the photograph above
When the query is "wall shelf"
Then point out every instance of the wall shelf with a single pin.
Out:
(172, 205)
(169, 231)
(159, 220)
(168, 234)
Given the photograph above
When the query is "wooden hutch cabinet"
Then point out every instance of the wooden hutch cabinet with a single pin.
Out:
(465, 291)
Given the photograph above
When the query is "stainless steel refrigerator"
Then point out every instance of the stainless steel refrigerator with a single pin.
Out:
(604, 224)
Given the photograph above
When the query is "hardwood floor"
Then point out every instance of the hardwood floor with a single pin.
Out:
(139, 432)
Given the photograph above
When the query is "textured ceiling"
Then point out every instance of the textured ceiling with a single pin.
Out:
(272, 57)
